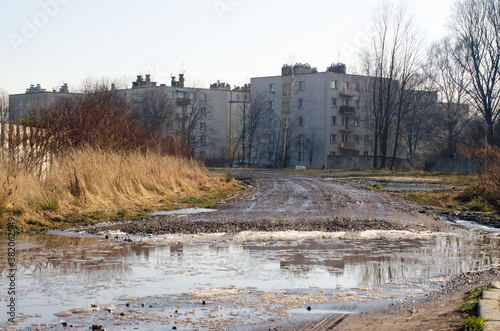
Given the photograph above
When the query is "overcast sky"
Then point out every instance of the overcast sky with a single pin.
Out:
(54, 41)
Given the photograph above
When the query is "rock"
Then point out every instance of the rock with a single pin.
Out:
(64, 323)
(203, 302)
(308, 308)
(97, 327)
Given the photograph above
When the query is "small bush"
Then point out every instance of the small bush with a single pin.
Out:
(228, 177)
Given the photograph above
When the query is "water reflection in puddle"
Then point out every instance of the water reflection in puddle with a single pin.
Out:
(246, 273)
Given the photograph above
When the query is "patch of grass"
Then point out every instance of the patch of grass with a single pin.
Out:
(471, 298)
(50, 205)
(375, 187)
(472, 323)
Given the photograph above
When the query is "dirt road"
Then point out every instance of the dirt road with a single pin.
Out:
(278, 202)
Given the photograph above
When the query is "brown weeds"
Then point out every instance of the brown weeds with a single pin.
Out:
(87, 181)
(487, 187)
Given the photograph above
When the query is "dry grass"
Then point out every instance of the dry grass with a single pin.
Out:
(487, 187)
(90, 184)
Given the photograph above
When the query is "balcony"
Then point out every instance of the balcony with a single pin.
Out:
(346, 110)
(349, 145)
(347, 128)
(183, 101)
(349, 93)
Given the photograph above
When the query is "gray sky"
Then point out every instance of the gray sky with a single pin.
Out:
(55, 41)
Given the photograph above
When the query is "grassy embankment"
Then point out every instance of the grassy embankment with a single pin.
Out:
(88, 186)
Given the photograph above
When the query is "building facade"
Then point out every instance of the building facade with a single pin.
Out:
(315, 115)
(205, 116)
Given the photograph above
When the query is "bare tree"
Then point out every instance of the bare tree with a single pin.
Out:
(392, 63)
(475, 28)
(158, 111)
(253, 126)
(447, 123)
(4, 105)
(195, 119)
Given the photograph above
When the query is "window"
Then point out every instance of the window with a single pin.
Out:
(301, 103)
(344, 138)
(356, 138)
(299, 157)
(302, 86)
(287, 91)
(271, 88)
(367, 122)
(345, 120)
(170, 95)
(365, 153)
(333, 138)
(345, 102)
(356, 103)
(301, 120)
(333, 102)
(204, 96)
(367, 139)
(203, 111)
(334, 120)
(356, 121)
(203, 125)
(333, 84)
(203, 140)
(271, 104)
(237, 97)
(271, 156)
(333, 153)
(346, 85)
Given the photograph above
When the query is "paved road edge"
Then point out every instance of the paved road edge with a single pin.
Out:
(489, 307)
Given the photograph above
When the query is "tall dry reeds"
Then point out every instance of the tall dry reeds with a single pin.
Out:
(101, 159)
(88, 180)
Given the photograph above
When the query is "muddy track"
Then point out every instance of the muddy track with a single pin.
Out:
(280, 202)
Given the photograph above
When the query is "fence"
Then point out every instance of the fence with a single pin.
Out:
(23, 146)
(359, 162)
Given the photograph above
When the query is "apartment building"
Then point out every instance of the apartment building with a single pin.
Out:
(34, 98)
(207, 116)
(318, 117)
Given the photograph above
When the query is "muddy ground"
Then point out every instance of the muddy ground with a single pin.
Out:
(277, 202)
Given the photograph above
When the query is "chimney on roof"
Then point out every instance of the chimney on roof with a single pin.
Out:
(181, 80)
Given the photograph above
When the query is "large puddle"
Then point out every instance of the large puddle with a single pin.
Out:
(241, 281)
